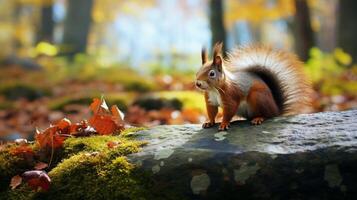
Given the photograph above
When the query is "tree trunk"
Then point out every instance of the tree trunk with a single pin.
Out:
(45, 32)
(217, 22)
(347, 27)
(16, 20)
(76, 27)
(304, 36)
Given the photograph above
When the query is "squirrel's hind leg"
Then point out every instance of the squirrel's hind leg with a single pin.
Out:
(261, 103)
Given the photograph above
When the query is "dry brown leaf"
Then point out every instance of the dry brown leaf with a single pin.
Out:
(105, 122)
(15, 181)
(24, 151)
(112, 144)
(40, 165)
(50, 138)
(37, 179)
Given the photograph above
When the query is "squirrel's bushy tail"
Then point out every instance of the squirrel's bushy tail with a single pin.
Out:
(281, 71)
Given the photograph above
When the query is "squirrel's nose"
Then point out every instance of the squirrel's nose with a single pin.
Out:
(198, 84)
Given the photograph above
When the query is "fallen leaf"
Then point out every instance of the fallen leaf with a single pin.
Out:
(106, 122)
(37, 179)
(15, 181)
(21, 141)
(50, 138)
(118, 115)
(64, 125)
(112, 144)
(40, 165)
(103, 124)
(99, 106)
(82, 129)
(24, 151)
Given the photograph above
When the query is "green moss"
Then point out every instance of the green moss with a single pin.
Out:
(11, 165)
(89, 170)
(96, 176)
(130, 131)
(99, 144)
(21, 193)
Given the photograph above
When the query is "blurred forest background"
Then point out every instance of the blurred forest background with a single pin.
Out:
(142, 54)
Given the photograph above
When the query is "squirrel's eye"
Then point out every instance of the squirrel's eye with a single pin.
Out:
(212, 74)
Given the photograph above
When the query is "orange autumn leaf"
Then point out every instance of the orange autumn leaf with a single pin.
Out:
(22, 150)
(55, 135)
(112, 144)
(118, 115)
(81, 129)
(40, 165)
(99, 106)
(15, 181)
(64, 125)
(50, 138)
(94, 106)
(77, 127)
(105, 122)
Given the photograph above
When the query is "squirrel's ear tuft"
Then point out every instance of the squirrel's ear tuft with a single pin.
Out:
(217, 49)
(217, 60)
(217, 55)
(204, 55)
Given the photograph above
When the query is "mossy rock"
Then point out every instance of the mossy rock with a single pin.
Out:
(10, 166)
(312, 156)
(18, 90)
(89, 170)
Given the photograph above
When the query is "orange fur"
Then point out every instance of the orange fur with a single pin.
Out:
(295, 85)
(275, 84)
(261, 101)
(211, 112)
(230, 96)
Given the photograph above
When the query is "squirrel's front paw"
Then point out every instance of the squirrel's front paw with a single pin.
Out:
(257, 121)
(208, 124)
(224, 126)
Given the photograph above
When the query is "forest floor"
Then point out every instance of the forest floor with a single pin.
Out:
(31, 99)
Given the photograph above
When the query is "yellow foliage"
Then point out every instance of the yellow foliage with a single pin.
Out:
(36, 2)
(328, 70)
(108, 10)
(190, 99)
(256, 11)
(342, 57)
(46, 49)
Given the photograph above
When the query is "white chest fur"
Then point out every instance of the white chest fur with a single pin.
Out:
(214, 98)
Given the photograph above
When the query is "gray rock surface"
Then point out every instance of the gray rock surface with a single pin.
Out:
(311, 156)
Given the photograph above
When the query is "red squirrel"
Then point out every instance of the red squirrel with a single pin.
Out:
(254, 82)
